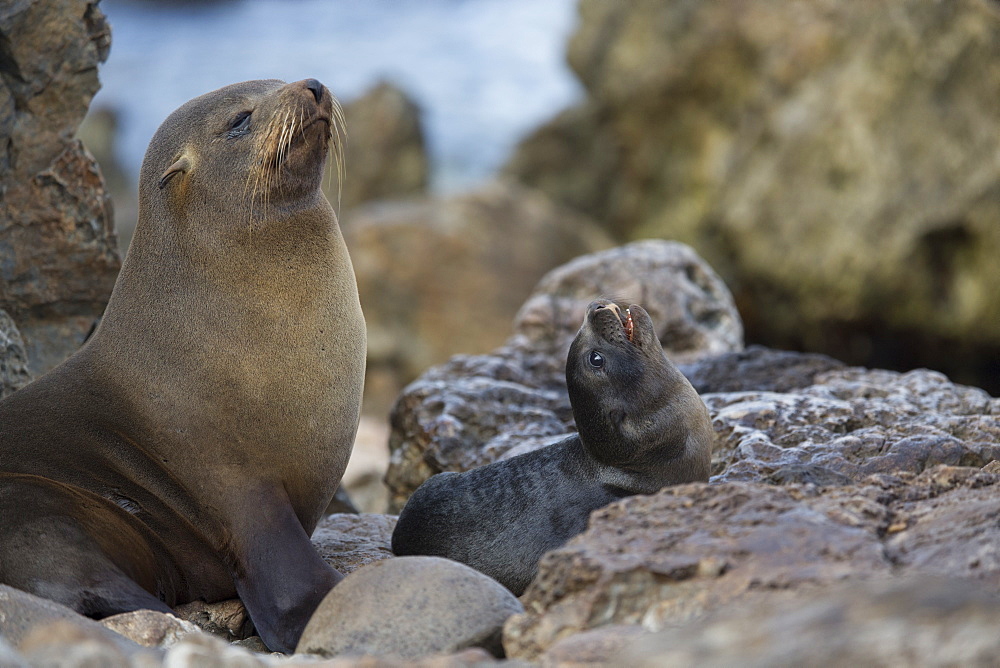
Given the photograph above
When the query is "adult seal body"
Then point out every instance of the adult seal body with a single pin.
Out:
(189, 448)
(641, 426)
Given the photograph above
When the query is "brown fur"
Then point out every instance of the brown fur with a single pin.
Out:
(190, 447)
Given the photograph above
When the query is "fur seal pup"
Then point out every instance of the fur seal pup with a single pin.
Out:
(189, 448)
(641, 426)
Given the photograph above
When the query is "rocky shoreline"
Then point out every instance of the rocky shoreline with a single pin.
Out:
(825, 476)
(851, 516)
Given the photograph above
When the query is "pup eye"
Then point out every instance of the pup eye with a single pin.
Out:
(240, 124)
(596, 359)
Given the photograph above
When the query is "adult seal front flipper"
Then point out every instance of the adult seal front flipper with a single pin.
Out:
(279, 576)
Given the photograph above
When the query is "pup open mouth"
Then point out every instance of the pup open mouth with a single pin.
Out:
(627, 324)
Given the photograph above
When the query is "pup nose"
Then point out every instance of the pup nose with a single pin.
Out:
(316, 87)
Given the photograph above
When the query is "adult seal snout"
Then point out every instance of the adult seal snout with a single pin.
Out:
(641, 426)
(188, 450)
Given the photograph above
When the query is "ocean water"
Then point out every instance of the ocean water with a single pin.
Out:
(484, 72)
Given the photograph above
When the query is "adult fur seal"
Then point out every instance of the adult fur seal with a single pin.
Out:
(640, 424)
(189, 448)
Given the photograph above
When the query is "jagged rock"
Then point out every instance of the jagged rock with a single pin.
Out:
(99, 132)
(385, 157)
(912, 621)
(14, 372)
(445, 276)
(476, 409)
(150, 628)
(58, 253)
(409, 608)
(347, 542)
(852, 423)
(835, 161)
(669, 558)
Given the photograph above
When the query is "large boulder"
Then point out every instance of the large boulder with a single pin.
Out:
(836, 162)
(385, 153)
(670, 558)
(473, 410)
(440, 276)
(909, 621)
(410, 608)
(58, 253)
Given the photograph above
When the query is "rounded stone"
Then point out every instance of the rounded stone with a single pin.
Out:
(409, 608)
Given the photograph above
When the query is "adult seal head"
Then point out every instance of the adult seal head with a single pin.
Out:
(188, 450)
(641, 426)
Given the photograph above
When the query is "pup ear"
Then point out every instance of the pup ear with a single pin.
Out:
(182, 165)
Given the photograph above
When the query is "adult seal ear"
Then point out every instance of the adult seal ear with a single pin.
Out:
(641, 426)
(188, 450)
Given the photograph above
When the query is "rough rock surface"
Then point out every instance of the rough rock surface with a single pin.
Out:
(58, 254)
(910, 621)
(666, 559)
(475, 409)
(837, 163)
(150, 628)
(348, 542)
(14, 372)
(410, 608)
(386, 158)
(445, 276)
(851, 423)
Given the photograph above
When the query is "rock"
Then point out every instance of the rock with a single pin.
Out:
(14, 372)
(604, 646)
(386, 158)
(852, 423)
(348, 542)
(100, 133)
(835, 161)
(409, 608)
(910, 621)
(672, 557)
(341, 502)
(9, 658)
(757, 368)
(150, 628)
(445, 276)
(205, 651)
(64, 643)
(46, 623)
(474, 410)
(58, 253)
(227, 619)
(472, 657)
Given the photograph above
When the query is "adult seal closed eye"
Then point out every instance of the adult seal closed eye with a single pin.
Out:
(188, 450)
(641, 426)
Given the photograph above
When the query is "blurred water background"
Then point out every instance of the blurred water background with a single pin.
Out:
(484, 72)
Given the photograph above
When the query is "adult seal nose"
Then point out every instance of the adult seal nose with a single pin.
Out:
(316, 87)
